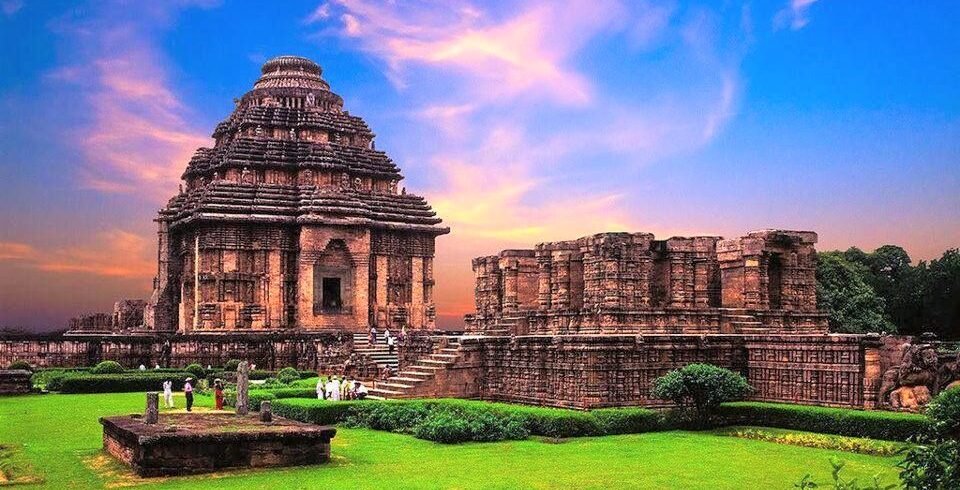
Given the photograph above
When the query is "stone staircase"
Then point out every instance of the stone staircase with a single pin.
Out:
(379, 352)
(406, 383)
(741, 321)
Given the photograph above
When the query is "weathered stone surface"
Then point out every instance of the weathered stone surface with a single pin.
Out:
(266, 411)
(153, 408)
(183, 444)
(243, 388)
(15, 382)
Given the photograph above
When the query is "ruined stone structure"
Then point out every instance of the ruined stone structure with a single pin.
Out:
(592, 322)
(633, 283)
(293, 221)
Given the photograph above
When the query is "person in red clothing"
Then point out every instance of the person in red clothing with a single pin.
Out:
(218, 393)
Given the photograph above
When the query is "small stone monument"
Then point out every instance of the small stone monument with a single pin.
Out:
(266, 411)
(243, 388)
(153, 408)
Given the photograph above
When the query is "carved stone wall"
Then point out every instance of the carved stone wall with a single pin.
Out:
(590, 371)
(325, 351)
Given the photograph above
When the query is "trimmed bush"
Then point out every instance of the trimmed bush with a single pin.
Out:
(891, 426)
(257, 396)
(944, 413)
(107, 367)
(701, 388)
(20, 365)
(196, 370)
(288, 375)
(321, 412)
(120, 383)
(629, 420)
(452, 425)
(232, 365)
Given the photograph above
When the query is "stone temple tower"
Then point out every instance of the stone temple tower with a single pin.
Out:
(293, 222)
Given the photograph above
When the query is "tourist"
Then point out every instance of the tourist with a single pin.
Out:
(359, 390)
(168, 393)
(386, 372)
(403, 333)
(345, 388)
(218, 393)
(333, 389)
(322, 389)
(188, 392)
(386, 333)
(157, 368)
(373, 335)
(390, 343)
(143, 368)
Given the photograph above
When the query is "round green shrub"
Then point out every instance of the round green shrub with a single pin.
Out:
(701, 388)
(231, 365)
(944, 413)
(21, 365)
(445, 428)
(288, 375)
(196, 370)
(107, 367)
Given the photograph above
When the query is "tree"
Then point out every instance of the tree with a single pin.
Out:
(844, 293)
(940, 295)
(701, 388)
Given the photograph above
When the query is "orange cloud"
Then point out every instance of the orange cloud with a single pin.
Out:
(114, 253)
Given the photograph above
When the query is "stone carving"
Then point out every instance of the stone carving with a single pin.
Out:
(246, 176)
(243, 388)
(152, 414)
(311, 100)
(910, 385)
(344, 181)
(393, 187)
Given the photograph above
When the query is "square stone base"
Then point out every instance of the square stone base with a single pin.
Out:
(182, 444)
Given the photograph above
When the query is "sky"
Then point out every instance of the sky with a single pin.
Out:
(521, 122)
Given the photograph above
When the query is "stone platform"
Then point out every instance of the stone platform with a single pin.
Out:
(15, 382)
(181, 444)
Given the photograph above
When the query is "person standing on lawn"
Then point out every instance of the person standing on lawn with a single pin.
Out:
(168, 393)
(322, 388)
(188, 392)
(218, 393)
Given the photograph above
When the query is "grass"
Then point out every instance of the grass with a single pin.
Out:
(59, 438)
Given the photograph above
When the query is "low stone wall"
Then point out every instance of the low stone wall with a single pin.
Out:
(317, 351)
(15, 382)
(591, 371)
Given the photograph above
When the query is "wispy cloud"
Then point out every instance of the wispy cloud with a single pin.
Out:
(795, 15)
(115, 253)
(10, 7)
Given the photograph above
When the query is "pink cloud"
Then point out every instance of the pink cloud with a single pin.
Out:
(526, 54)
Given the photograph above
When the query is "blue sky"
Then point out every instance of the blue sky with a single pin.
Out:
(520, 121)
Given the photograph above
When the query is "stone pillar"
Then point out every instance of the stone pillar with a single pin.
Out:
(544, 268)
(266, 411)
(243, 388)
(153, 408)
(871, 370)
(416, 318)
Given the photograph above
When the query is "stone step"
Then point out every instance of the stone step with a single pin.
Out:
(389, 384)
(413, 372)
(443, 356)
(406, 379)
(422, 368)
(450, 350)
(437, 362)
(384, 393)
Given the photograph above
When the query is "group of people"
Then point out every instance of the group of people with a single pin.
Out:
(391, 340)
(187, 392)
(336, 389)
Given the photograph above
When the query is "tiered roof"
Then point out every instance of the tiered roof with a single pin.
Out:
(292, 100)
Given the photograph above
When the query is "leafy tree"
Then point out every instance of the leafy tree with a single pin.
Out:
(844, 293)
(288, 375)
(940, 295)
(701, 388)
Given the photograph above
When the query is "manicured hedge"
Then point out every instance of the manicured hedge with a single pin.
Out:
(257, 396)
(120, 383)
(452, 420)
(892, 426)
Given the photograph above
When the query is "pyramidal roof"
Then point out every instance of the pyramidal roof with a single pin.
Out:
(290, 153)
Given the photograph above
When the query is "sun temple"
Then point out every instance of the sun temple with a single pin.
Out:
(292, 236)
(293, 221)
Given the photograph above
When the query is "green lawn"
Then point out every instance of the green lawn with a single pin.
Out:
(59, 436)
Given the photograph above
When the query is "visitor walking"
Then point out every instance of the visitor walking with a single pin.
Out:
(188, 392)
(218, 393)
(168, 393)
(403, 333)
(322, 389)
(390, 343)
(373, 335)
(333, 389)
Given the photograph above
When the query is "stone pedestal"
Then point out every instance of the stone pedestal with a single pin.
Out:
(266, 411)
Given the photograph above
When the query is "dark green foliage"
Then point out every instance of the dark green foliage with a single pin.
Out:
(119, 383)
(232, 365)
(450, 420)
(20, 365)
(196, 370)
(891, 426)
(107, 367)
(288, 375)
(934, 462)
(844, 292)
(700, 389)
(629, 420)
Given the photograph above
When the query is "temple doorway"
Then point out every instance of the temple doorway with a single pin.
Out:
(332, 299)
